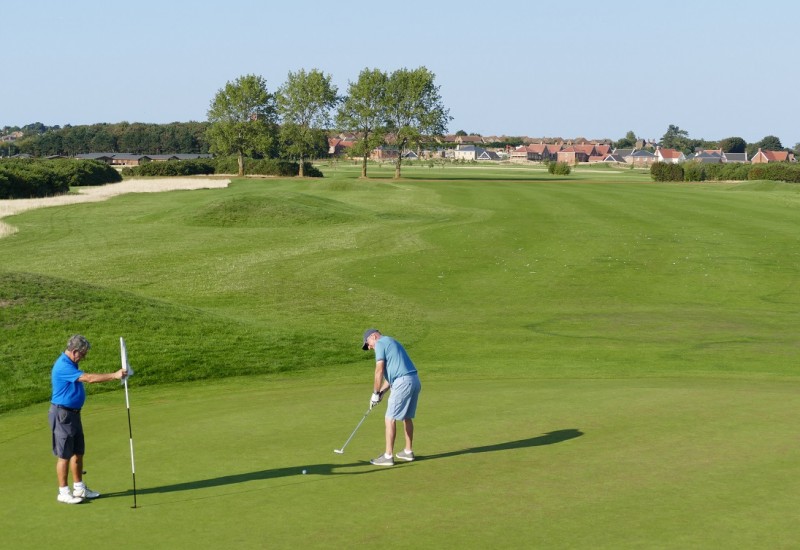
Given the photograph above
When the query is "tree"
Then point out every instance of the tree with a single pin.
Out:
(305, 103)
(414, 108)
(770, 143)
(628, 141)
(675, 138)
(242, 117)
(364, 111)
(733, 145)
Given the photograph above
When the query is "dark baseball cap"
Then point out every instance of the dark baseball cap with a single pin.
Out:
(367, 333)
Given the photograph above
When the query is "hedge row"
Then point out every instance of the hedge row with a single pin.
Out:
(222, 165)
(695, 171)
(35, 178)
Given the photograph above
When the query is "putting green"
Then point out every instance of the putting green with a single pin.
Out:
(502, 463)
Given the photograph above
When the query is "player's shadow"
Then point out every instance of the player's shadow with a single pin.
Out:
(550, 438)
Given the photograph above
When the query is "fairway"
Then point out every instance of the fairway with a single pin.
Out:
(606, 362)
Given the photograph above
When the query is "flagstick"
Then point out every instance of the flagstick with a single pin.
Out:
(130, 434)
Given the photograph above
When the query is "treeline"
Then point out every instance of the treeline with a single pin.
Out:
(123, 137)
(30, 178)
(695, 171)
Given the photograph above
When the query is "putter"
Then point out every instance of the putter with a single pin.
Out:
(123, 352)
(341, 451)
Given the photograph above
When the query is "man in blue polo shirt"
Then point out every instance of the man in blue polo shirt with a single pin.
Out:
(394, 369)
(65, 417)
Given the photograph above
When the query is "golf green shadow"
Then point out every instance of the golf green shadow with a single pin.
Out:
(549, 438)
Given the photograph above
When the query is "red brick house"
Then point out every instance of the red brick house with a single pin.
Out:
(762, 157)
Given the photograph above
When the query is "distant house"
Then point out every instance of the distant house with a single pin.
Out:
(162, 158)
(541, 151)
(735, 157)
(535, 152)
(706, 157)
(488, 155)
(574, 154)
(614, 158)
(762, 157)
(384, 152)
(641, 158)
(410, 155)
(671, 156)
(469, 139)
(623, 153)
(338, 147)
(467, 152)
(13, 136)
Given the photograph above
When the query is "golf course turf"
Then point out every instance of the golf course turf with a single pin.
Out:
(606, 362)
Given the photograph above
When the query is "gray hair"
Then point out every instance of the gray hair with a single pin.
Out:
(78, 343)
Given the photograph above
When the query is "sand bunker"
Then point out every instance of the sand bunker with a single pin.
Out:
(103, 192)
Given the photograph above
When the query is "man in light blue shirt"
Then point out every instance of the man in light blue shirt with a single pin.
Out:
(394, 369)
(66, 402)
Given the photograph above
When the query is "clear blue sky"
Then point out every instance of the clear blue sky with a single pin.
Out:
(542, 69)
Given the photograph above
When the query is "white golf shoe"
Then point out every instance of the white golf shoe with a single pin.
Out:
(69, 498)
(84, 492)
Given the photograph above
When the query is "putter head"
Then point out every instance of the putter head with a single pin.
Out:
(339, 451)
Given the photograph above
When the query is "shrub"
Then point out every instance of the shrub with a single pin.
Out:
(694, 171)
(559, 168)
(30, 179)
(664, 171)
(727, 172)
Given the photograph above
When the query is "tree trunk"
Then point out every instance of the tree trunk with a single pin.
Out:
(364, 166)
(241, 164)
(301, 174)
(397, 167)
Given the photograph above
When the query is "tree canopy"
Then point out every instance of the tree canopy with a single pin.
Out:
(305, 103)
(364, 111)
(675, 138)
(414, 108)
(242, 117)
(733, 145)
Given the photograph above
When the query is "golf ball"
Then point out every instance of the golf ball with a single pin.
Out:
(304, 472)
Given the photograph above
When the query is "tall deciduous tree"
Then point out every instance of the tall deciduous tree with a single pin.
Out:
(364, 111)
(771, 143)
(733, 145)
(414, 108)
(305, 103)
(242, 117)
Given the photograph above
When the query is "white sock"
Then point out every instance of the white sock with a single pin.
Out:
(63, 490)
(408, 451)
(78, 485)
(386, 456)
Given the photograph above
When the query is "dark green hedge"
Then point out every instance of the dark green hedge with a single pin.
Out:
(695, 171)
(222, 165)
(779, 171)
(266, 167)
(664, 171)
(173, 168)
(35, 178)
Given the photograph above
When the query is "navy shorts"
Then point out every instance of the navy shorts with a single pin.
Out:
(67, 432)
